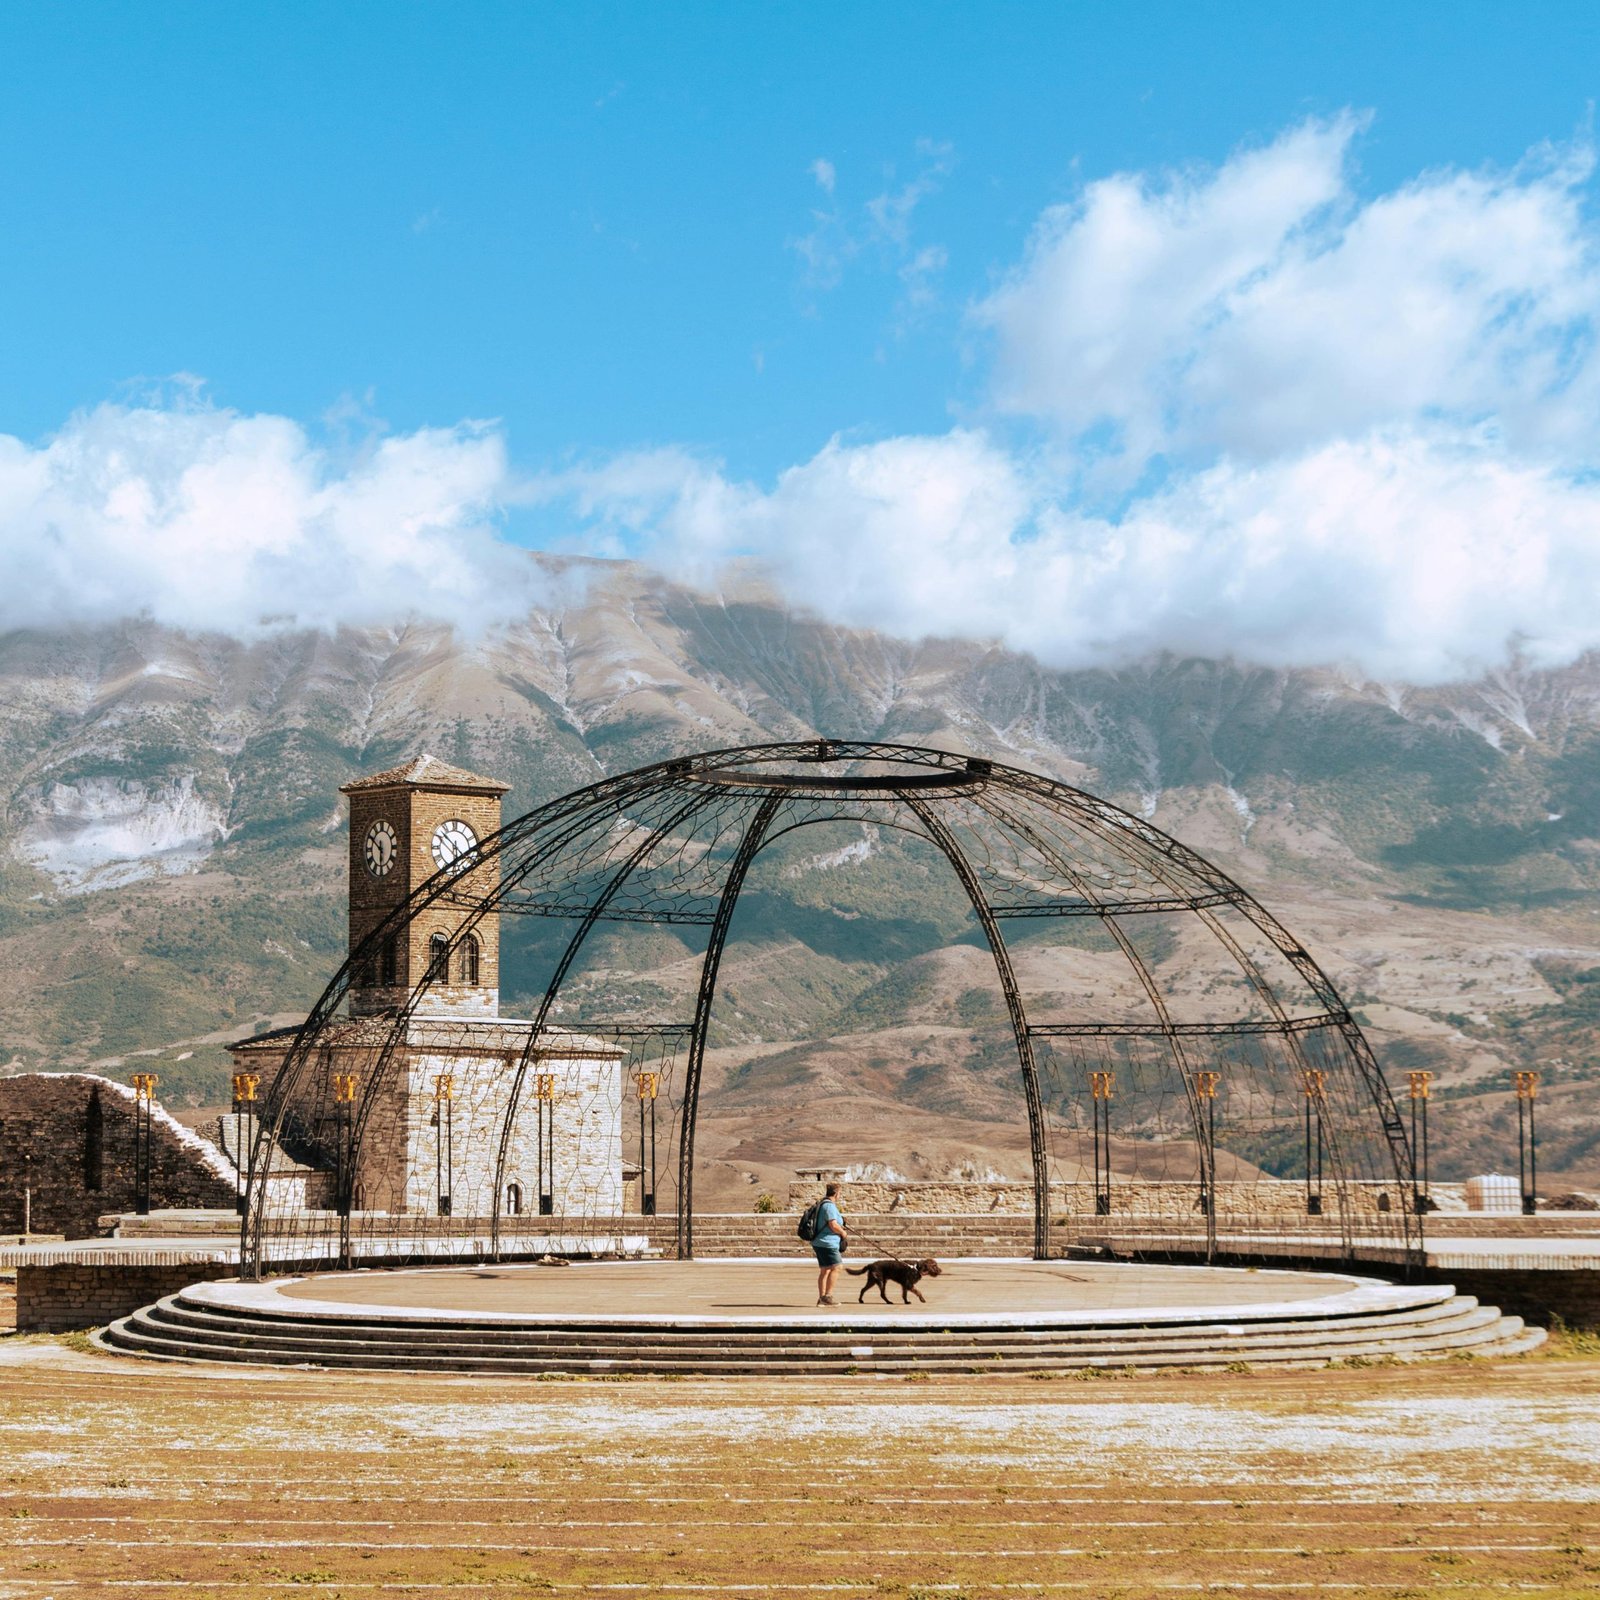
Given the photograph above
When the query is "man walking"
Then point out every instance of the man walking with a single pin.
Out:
(828, 1242)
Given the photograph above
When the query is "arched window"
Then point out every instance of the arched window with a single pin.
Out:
(390, 974)
(514, 1199)
(469, 961)
(438, 959)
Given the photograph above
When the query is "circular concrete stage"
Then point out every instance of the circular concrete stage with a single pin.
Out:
(749, 1317)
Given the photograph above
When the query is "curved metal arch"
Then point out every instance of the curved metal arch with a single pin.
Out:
(776, 834)
(1315, 979)
(1037, 1144)
(536, 839)
(709, 967)
(935, 832)
(553, 989)
(574, 813)
(1153, 994)
(1253, 975)
(1164, 846)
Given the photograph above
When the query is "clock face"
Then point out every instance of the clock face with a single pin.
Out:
(381, 847)
(451, 841)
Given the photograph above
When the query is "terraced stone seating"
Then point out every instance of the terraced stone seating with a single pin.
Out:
(213, 1322)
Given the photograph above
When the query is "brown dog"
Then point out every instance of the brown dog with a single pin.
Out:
(905, 1273)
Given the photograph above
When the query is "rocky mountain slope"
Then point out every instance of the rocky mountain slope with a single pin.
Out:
(172, 859)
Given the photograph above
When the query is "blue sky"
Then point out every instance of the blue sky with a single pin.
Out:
(581, 219)
(673, 251)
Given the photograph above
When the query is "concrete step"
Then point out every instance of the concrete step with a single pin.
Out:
(1428, 1308)
(1416, 1301)
(1499, 1337)
(180, 1329)
(202, 1325)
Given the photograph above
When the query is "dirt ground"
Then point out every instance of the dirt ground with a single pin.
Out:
(1461, 1479)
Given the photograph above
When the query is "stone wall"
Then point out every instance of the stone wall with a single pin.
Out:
(70, 1138)
(1572, 1294)
(59, 1299)
(407, 1157)
(1129, 1198)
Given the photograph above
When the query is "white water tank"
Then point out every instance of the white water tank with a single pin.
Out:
(1494, 1192)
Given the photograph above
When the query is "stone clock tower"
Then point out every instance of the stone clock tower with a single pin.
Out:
(440, 1123)
(406, 825)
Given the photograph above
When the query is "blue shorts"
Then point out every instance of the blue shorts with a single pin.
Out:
(828, 1255)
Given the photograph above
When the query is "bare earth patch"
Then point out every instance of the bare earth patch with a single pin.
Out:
(1472, 1479)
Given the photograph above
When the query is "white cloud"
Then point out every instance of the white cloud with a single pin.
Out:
(1416, 556)
(207, 519)
(890, 213)
(883, 227)
(920, 277)
(1263, 308)
(1374, 421)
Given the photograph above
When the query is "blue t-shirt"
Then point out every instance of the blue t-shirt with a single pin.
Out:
(826, 1238)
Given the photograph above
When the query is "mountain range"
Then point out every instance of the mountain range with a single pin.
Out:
(173, 850)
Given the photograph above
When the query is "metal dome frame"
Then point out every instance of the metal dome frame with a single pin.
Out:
(587, 855)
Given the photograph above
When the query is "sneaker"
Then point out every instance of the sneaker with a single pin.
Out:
(826, 1300)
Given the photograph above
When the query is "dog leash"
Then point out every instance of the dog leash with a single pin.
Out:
(891, 1255)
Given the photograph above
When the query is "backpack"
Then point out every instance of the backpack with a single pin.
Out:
(810, 1221)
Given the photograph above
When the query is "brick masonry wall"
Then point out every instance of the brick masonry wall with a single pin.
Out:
(60, 1299)
(47, 1141)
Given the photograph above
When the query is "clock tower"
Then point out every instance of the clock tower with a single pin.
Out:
(406, 825)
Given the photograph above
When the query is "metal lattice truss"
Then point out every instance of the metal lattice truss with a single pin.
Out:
(1158, 1017)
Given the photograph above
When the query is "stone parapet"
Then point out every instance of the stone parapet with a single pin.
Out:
(88, 1294)
(1133, 1197)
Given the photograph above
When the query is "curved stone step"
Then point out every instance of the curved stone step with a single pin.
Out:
(170, 1319)
(236, 1344)
(173, 1329)
(210, 1323)
(719, 1365)
(184, 1308)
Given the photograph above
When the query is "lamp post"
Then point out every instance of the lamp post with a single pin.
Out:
(1314, 1083)
(344, 1097)
(144, 1093)
(649, 1085)
(1100, 1089)
(444, 1143)
(245, 1087)
(544, 1093)
(1418, 1083)
(1526, 1085)
(1205, 1088)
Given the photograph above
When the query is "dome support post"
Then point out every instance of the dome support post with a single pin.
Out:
(746, 853)
(1038, 1148)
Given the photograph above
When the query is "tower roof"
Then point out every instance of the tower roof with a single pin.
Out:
(425, 772)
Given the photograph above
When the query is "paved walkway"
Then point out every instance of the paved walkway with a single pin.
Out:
(762, 1289)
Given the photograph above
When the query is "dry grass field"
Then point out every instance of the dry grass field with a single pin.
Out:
(1460, 1479)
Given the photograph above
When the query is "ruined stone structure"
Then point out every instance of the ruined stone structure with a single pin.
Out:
(67, 1155)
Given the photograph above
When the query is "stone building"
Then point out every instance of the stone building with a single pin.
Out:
(432, 1135)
